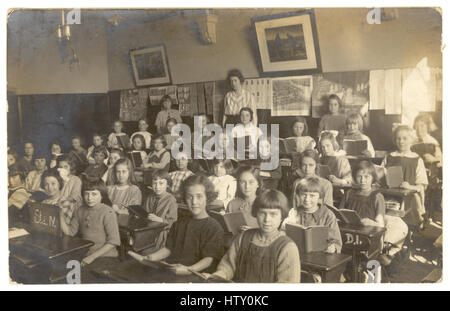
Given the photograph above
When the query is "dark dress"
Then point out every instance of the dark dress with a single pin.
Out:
(257, 264)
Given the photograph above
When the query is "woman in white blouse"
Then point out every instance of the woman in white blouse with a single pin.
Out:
(237, 99)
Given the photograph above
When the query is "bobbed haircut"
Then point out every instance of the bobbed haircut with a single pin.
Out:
(301, 120)
(161, 138)
(52, 172)
(92, 184)
(309, 184)
(235, 73)
(204, 181)
(271, 199)
(365, 165)
(427, 119)
(355, 118)
(161, 174)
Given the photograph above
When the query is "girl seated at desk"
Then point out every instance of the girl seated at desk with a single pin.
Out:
(113, 141)
(300, 131)
(414, 173)
(263, 254)
(308, 166)
(341, 173)
(55, 152)
(79, 154)
(165, 114)
(114, 156)
(124, 192)
(34, 178)
(353, 131)
(309, 211)
(71, 190)
(17, 194)
(224, 184)
(97, 141)
(159, 159)
(370, 206)
(143, 126)
(161, 206)
(194, 243)
(96, 221)
(249, 185)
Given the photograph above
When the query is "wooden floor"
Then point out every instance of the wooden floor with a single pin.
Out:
(424, 257)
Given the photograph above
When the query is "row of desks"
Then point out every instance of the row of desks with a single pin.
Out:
(39, 259)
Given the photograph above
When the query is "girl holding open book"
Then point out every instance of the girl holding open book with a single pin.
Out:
(370, 207)
(263, 254)
(113, 141)
(353, 131)
(414, 173)
(302, 140)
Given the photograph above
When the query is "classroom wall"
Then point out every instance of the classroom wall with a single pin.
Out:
(34, 63)
(347, 43)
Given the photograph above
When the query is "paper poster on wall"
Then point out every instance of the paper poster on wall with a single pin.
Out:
(209, 91)
(393, 91)
(376, 93)
(291, 96)
(187, 97)
(261, 89)
(156, 93)
(351, 87)
(133, 104)
(418, 92)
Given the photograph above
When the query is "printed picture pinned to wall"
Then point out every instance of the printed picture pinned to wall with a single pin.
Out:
(261, 89)
(288, 43)
(133, 104)
(351, 87)
(150, 65)
(291, 96)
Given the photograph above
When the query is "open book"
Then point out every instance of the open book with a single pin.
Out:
(394, 176)
(136, 158)
(354, 147)
(154, 264)
(288, 145)
(422, 149)
(308, 239)
(138, 211)
(347, 216)
(230, 222)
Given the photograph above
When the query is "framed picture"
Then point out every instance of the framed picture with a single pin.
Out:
(150, 65)
(287, 44)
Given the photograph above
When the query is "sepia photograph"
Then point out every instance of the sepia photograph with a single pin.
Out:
(125, 128)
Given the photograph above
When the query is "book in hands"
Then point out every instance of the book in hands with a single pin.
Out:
(308, 239)
(230, 222)
(347, 216)
(136, 158)
(288, 145)
(137, 211)
(323, 171)
(394, 176)
(153, 264)
(422, 149)
(354, 147)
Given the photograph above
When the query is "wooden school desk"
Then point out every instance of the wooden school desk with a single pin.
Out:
(329, 266)
(363, 243)
(42, 259)
(131, 271)
(138, 234)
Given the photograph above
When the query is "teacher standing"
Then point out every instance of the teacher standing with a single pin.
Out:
(237, 98)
